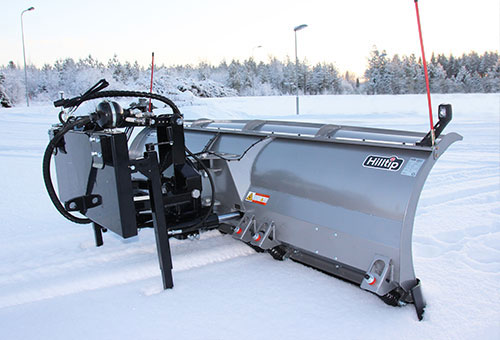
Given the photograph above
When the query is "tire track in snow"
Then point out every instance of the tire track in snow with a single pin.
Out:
(79, 263)
(51, 259)
(449, 176)
(469, 190)
(484, 202)
(64, 280)
(449, 194)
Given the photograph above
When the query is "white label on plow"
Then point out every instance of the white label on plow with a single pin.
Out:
(257, 198)
(412, 167)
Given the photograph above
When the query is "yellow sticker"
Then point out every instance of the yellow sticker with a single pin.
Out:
(255, 197)
(250, 197)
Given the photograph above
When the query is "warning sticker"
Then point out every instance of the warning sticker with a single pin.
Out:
(255, 197)
(412, 167)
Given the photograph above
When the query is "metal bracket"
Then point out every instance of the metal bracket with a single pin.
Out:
(96, 152)
(254, 124)
(327, 130)
(262, 236)
(244, 229)
(377, 279)
(83, 203)
(445, 116)
(265, 236)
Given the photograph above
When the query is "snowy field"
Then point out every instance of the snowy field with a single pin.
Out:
(55, 284)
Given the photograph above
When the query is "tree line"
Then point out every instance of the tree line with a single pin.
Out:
(470, 73)
(384, 75)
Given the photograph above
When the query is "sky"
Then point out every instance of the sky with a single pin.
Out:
(194, 31)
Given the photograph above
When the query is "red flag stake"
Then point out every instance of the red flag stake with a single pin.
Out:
(151, 88)
(433, 136)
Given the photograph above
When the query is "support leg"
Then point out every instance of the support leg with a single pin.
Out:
(149, 167)
(98, 234)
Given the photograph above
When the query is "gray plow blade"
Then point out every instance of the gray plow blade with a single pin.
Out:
(340, 199)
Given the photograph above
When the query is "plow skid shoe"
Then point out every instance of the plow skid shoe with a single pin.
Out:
(341, 199)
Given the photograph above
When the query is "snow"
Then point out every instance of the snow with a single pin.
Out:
(55, 284)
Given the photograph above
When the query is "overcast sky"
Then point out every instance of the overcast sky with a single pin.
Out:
(191, 31)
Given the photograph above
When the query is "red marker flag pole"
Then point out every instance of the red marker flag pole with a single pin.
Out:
(151, 88)
(433, 136)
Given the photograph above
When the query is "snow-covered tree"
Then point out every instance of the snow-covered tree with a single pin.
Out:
(384, 75)
(4, 99)
(377, 74)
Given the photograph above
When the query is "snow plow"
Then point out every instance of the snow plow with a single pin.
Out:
(340, 199)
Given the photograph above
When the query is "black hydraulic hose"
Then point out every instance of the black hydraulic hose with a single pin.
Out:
(94, 93)
(161, 98)
(46, 170)
(212, 185)
(103, 94)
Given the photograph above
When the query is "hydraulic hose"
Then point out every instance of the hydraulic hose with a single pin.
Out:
(94, 93)
(46, 170)
(104, 94)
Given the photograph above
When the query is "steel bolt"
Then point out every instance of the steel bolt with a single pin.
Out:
(370, 279)
(72, 205)
(195, 193)
(179, 121)
(95, 200)
(257, 237)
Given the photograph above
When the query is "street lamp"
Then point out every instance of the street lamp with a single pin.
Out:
(297, 28)
(253, 59)
(253, 50)
(24, 56)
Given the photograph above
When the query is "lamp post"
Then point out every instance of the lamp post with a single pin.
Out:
(253, 59)
(24, 55)
(253, 50)
(297, 28)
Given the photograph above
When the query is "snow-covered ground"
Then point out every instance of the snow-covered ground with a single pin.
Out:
(54, 283)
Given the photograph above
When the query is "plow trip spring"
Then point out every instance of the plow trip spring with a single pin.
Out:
(340, 199)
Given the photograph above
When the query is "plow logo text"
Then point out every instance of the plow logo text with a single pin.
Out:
(392, 163)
